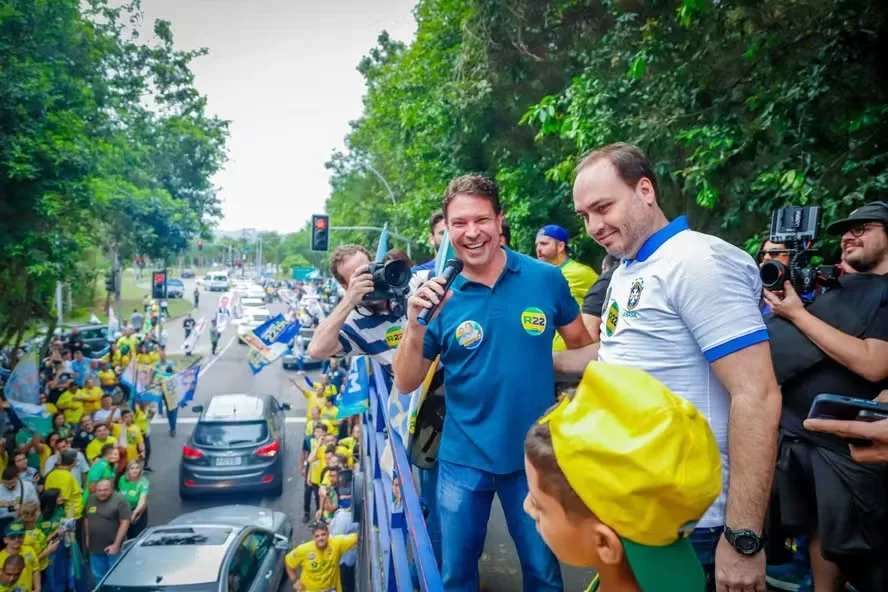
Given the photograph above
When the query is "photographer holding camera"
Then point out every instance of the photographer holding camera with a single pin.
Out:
(370, 318)
(838, 344)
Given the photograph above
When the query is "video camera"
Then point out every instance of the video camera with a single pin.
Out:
(796, 227)
(391, 282)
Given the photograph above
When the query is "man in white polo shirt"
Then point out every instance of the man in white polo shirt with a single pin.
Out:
(684, 306)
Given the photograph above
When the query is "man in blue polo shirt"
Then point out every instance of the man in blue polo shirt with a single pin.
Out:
(494, 336)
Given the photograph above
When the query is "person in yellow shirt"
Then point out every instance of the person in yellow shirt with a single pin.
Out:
(314, 418)
(551, 247)
(143, 414)
(135, 442)
(13, 539)
(314, 566)
(29, 514)
(61, 478)
(90, 397)
(108, 379)
(329, 411)
(102, 436)
(618, 476)
(313, 397)
(11, 575)
(144, 356)
(70, 405)
(313, 453)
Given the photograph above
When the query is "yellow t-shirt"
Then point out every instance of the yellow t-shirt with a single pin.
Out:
(314, 475)
(94, 398)
(329, 412)
(320, 569)
(32, 566)
(140, 417)
(348, 454)
(133, 440)
(68, 486)
(310, 425)
(44, 454)
(145, 359)
(107, 377)
(72, 409)
(94, 448)
(580, 278)
(35, 539)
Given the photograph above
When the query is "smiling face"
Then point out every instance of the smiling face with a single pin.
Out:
(865, 247)
(475, 230)
(618, 216)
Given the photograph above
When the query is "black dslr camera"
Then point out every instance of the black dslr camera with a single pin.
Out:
(796, 227)
(391, 282)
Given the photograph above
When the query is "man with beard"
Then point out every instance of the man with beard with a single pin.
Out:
(822, 491)
(684, 307)
(493, 331)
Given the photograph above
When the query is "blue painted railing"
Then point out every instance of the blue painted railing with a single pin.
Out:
(395, 545)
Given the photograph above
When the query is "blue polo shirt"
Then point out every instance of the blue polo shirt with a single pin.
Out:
(496, 349)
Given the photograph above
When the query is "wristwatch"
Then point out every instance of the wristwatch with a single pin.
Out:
(745, 542)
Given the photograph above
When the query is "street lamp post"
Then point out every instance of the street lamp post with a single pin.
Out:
(370, 168)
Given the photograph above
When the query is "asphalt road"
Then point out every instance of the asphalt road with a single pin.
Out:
(228, 373)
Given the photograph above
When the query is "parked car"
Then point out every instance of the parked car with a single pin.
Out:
(237, 445)
(175, 288)
(187, 273)
(215, 281)
(93, 336)
(220, 549)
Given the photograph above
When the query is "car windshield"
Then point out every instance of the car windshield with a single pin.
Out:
(177, 283)
(223, 435)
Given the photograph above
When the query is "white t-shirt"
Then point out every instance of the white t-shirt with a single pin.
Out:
(688, 300)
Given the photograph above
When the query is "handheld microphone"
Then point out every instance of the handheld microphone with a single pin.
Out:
(452, 268)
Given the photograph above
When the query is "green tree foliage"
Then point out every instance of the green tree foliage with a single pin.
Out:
(103, 142)
(743, 107)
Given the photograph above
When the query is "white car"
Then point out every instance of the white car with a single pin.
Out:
(215, 281)
(253, 318)
(251, 302)
(256, 291)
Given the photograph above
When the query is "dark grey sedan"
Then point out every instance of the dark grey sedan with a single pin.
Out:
(221, 549)
(237, 446)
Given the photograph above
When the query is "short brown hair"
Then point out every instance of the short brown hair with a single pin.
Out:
(540, 453)
(477, 185)
(397, 255)
(436, 217)
(631, 163)
(341, 253)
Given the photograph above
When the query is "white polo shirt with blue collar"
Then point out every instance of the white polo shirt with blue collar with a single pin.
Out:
(685, 301)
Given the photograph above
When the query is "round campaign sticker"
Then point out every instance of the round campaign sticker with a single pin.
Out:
(393, 336)
(469, 334)
(613, 316)
(533, 320)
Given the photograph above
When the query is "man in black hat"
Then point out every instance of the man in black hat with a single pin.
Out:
(843, 338)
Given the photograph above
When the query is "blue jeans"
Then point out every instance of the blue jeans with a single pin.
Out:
(704, 541)
(464, 499)
(100, 564)
(428, 491)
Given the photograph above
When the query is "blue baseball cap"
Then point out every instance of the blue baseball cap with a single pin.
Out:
(554, 231)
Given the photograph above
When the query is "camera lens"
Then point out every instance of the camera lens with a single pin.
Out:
(397, 273)
(773, 274)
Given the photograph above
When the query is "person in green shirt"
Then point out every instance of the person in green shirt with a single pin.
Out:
(133, 486)
(104, 468)
(618, 475)
(52, 512)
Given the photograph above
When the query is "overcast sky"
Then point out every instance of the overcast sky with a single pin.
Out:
(283, 72)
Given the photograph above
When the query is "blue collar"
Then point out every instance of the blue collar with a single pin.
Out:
(513, 264)
(659, 238)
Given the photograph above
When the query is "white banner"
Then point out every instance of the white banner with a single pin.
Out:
(192, 340)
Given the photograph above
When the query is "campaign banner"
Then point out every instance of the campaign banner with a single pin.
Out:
(275, 330)
(178, 390)
(354, 398)
(288, 297)
(128, 376)
(23, 394)
(192, 340)
(223, 312)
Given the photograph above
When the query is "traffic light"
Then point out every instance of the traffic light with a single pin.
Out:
(320, 232)
(158, 285)
(111, 283)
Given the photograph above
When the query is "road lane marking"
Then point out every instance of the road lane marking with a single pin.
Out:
(193, 420)
(216, 357)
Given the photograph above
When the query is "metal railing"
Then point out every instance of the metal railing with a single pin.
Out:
(396, 553)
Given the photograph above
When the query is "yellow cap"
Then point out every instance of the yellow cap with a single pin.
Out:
(641, 458)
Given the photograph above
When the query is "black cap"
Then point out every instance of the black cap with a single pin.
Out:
(875, 211)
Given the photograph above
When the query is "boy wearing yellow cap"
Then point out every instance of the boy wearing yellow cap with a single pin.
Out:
(619, 474)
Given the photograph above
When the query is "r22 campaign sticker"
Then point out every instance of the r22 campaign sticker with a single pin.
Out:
(533, 321)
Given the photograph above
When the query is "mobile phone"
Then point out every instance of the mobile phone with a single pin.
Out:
(826, 406)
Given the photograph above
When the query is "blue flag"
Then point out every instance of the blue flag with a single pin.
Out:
(23, 393)
(355, 396)
(269, 341)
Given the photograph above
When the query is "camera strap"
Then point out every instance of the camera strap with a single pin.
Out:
(850, 308)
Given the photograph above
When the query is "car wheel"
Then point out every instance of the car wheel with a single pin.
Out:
(278, 489)
(185, 495)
